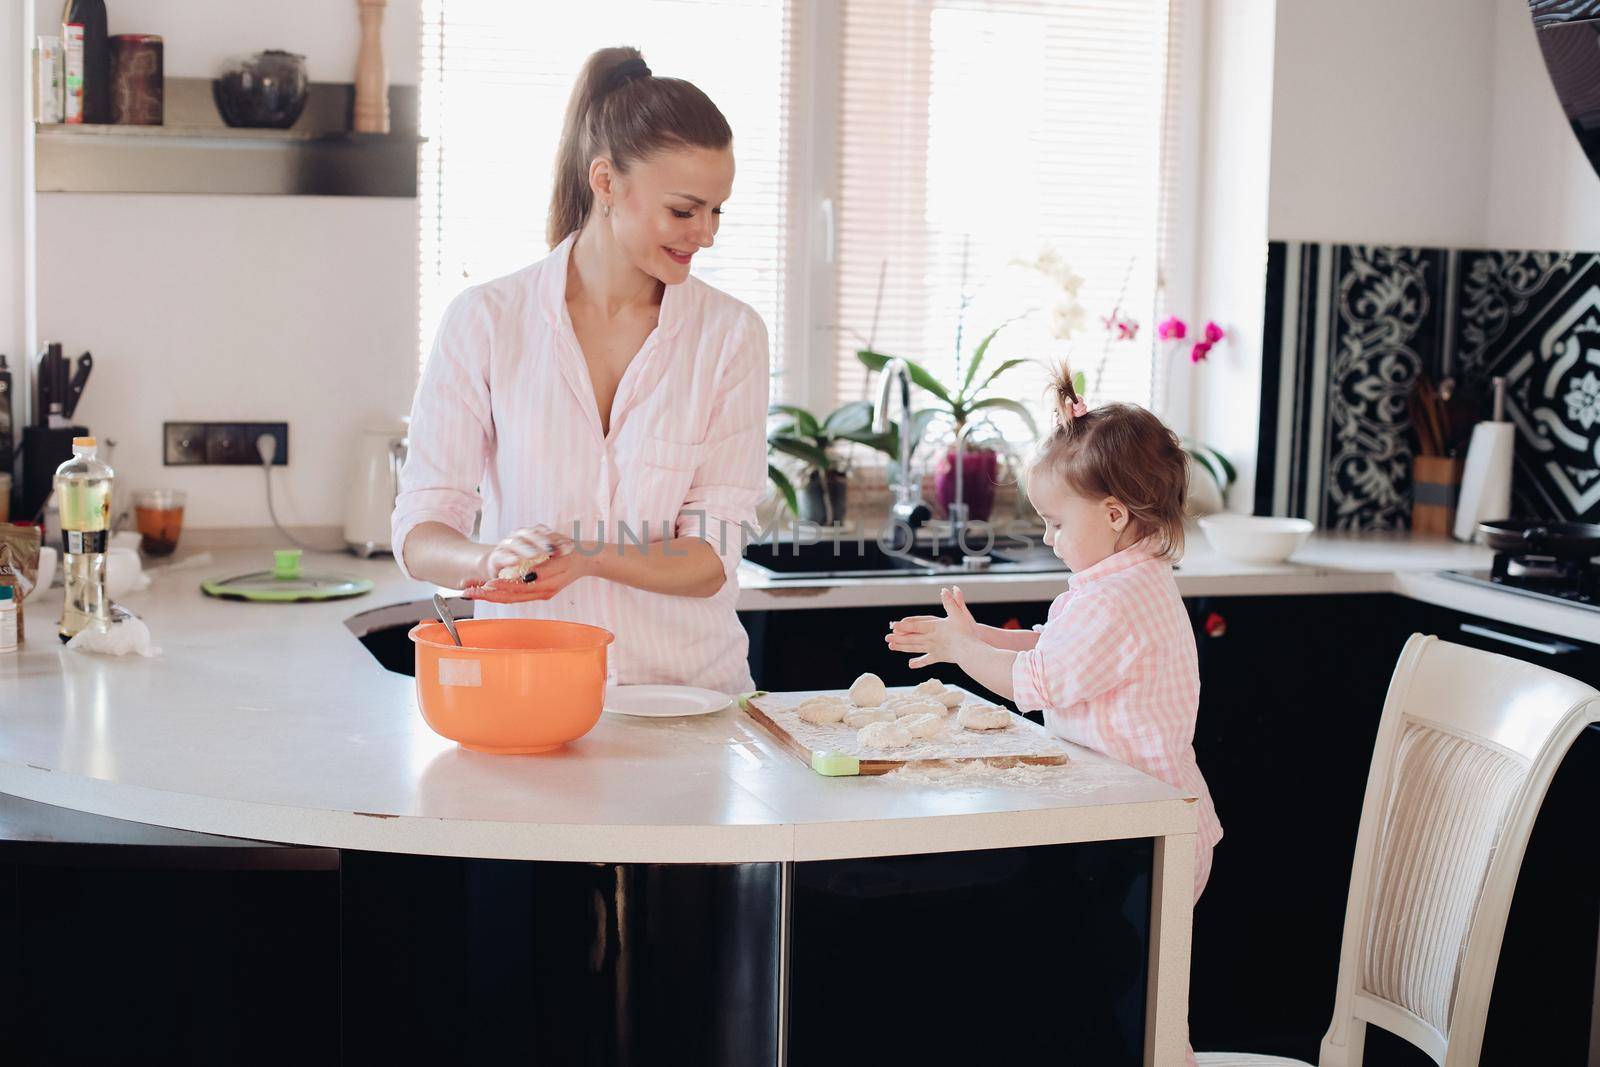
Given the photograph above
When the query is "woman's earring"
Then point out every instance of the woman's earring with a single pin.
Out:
(605, 210)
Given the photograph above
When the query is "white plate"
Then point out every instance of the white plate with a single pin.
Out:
(663, 701)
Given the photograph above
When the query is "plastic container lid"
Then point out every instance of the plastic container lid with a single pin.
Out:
(285, 584)
(6, 593)
(83, 442)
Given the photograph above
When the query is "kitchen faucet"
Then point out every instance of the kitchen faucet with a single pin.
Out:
(908, 511)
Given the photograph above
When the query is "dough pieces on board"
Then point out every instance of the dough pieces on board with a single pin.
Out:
(856, 718)
(927, 724)
(868, 691)
(983, 717)
(917, 705)
(934, 689)
(884, 735)
(522, 568)
(820, 711)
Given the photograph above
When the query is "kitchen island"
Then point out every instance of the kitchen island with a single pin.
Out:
(791, 896)
(273, 723)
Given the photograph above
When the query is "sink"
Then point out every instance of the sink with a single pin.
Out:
(831, 559)
(844, 559)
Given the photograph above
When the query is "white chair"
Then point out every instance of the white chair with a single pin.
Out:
(1466, 748)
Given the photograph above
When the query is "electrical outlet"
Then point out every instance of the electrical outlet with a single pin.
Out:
(229, 444)
(185, 443)
(279, 430)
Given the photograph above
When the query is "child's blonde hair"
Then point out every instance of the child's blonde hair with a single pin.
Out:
(1122, 451)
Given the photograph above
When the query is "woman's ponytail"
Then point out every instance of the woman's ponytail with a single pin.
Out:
(619, 109)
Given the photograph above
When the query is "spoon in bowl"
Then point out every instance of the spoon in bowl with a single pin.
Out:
(445, 617)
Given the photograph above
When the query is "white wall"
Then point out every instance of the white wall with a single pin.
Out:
(16, 135)
(1380, 128)
(1429, 122)
(1224, 392)
(221, 308)
(1543, 192)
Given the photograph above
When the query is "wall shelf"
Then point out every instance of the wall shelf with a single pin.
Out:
(196, 154)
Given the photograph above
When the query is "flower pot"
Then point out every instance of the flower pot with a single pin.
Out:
(978, 470)
(815, 507)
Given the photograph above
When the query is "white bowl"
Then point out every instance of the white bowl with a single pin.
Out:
(1255, 538)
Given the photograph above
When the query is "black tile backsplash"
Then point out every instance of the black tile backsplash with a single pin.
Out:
(1349, 327)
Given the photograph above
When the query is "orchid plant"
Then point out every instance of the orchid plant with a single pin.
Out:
(1067, 317)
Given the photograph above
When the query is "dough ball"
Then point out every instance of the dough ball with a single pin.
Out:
(924, 725)
(868, 691)
(883, 735)
(918, 706)
(856, 718)
(522, 568)
(820, 711)
(934, 689)
(983, 717)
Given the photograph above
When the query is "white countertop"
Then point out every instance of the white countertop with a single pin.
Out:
(1327, 563)
(273, 722)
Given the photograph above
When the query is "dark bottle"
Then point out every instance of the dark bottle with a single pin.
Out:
(6, 454)
(83, 32)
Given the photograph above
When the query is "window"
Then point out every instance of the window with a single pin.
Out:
(496, 77)
(895, 158)
(974, 133)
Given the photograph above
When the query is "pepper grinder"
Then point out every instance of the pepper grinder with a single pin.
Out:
(372, 89)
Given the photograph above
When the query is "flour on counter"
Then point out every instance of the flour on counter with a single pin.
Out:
(1082, 775)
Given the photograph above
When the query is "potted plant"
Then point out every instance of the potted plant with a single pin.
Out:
(800, 435)
(965, 405)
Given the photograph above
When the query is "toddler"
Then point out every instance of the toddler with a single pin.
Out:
(1114, 669)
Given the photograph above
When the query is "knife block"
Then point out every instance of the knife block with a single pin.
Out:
(43, 450)
(1435, 487)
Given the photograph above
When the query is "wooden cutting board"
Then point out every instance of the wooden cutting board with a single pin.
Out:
(833, 750)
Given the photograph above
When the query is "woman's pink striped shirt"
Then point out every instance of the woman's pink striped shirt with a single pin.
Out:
(1115, 670)
(505, 421)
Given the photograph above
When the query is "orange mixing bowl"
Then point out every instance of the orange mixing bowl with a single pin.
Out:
(516, 685)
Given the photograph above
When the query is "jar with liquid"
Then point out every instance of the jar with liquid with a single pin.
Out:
(83, 497)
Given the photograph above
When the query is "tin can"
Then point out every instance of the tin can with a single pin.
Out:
(136, 79)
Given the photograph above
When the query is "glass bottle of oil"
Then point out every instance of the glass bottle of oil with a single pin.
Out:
(83, 496)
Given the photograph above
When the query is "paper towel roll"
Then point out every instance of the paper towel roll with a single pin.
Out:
(1486, 482)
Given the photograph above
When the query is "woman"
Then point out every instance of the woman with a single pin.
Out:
(602, 406)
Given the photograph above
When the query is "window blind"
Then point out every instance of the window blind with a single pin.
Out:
(973, 134)
(496, 77)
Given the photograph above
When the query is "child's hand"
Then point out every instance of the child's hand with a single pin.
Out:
(938, 640)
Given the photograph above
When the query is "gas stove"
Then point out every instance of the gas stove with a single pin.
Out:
(1575, 582)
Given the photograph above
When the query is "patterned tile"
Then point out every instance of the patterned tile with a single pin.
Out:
(1349, 327)
(1534, 318)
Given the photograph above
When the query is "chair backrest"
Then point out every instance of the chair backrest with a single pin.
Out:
(1466, 748)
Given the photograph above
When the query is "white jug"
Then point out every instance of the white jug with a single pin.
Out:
(375, 482)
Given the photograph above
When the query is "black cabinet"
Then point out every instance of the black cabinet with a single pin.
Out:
(125, 943)
(1544, 989)
(1292, 690)
(828, 648)
(1291, 693)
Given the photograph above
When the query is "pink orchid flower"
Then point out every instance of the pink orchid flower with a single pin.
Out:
(1125, 328)
(1214, 333)
(1172, 328)
(1200, 351)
